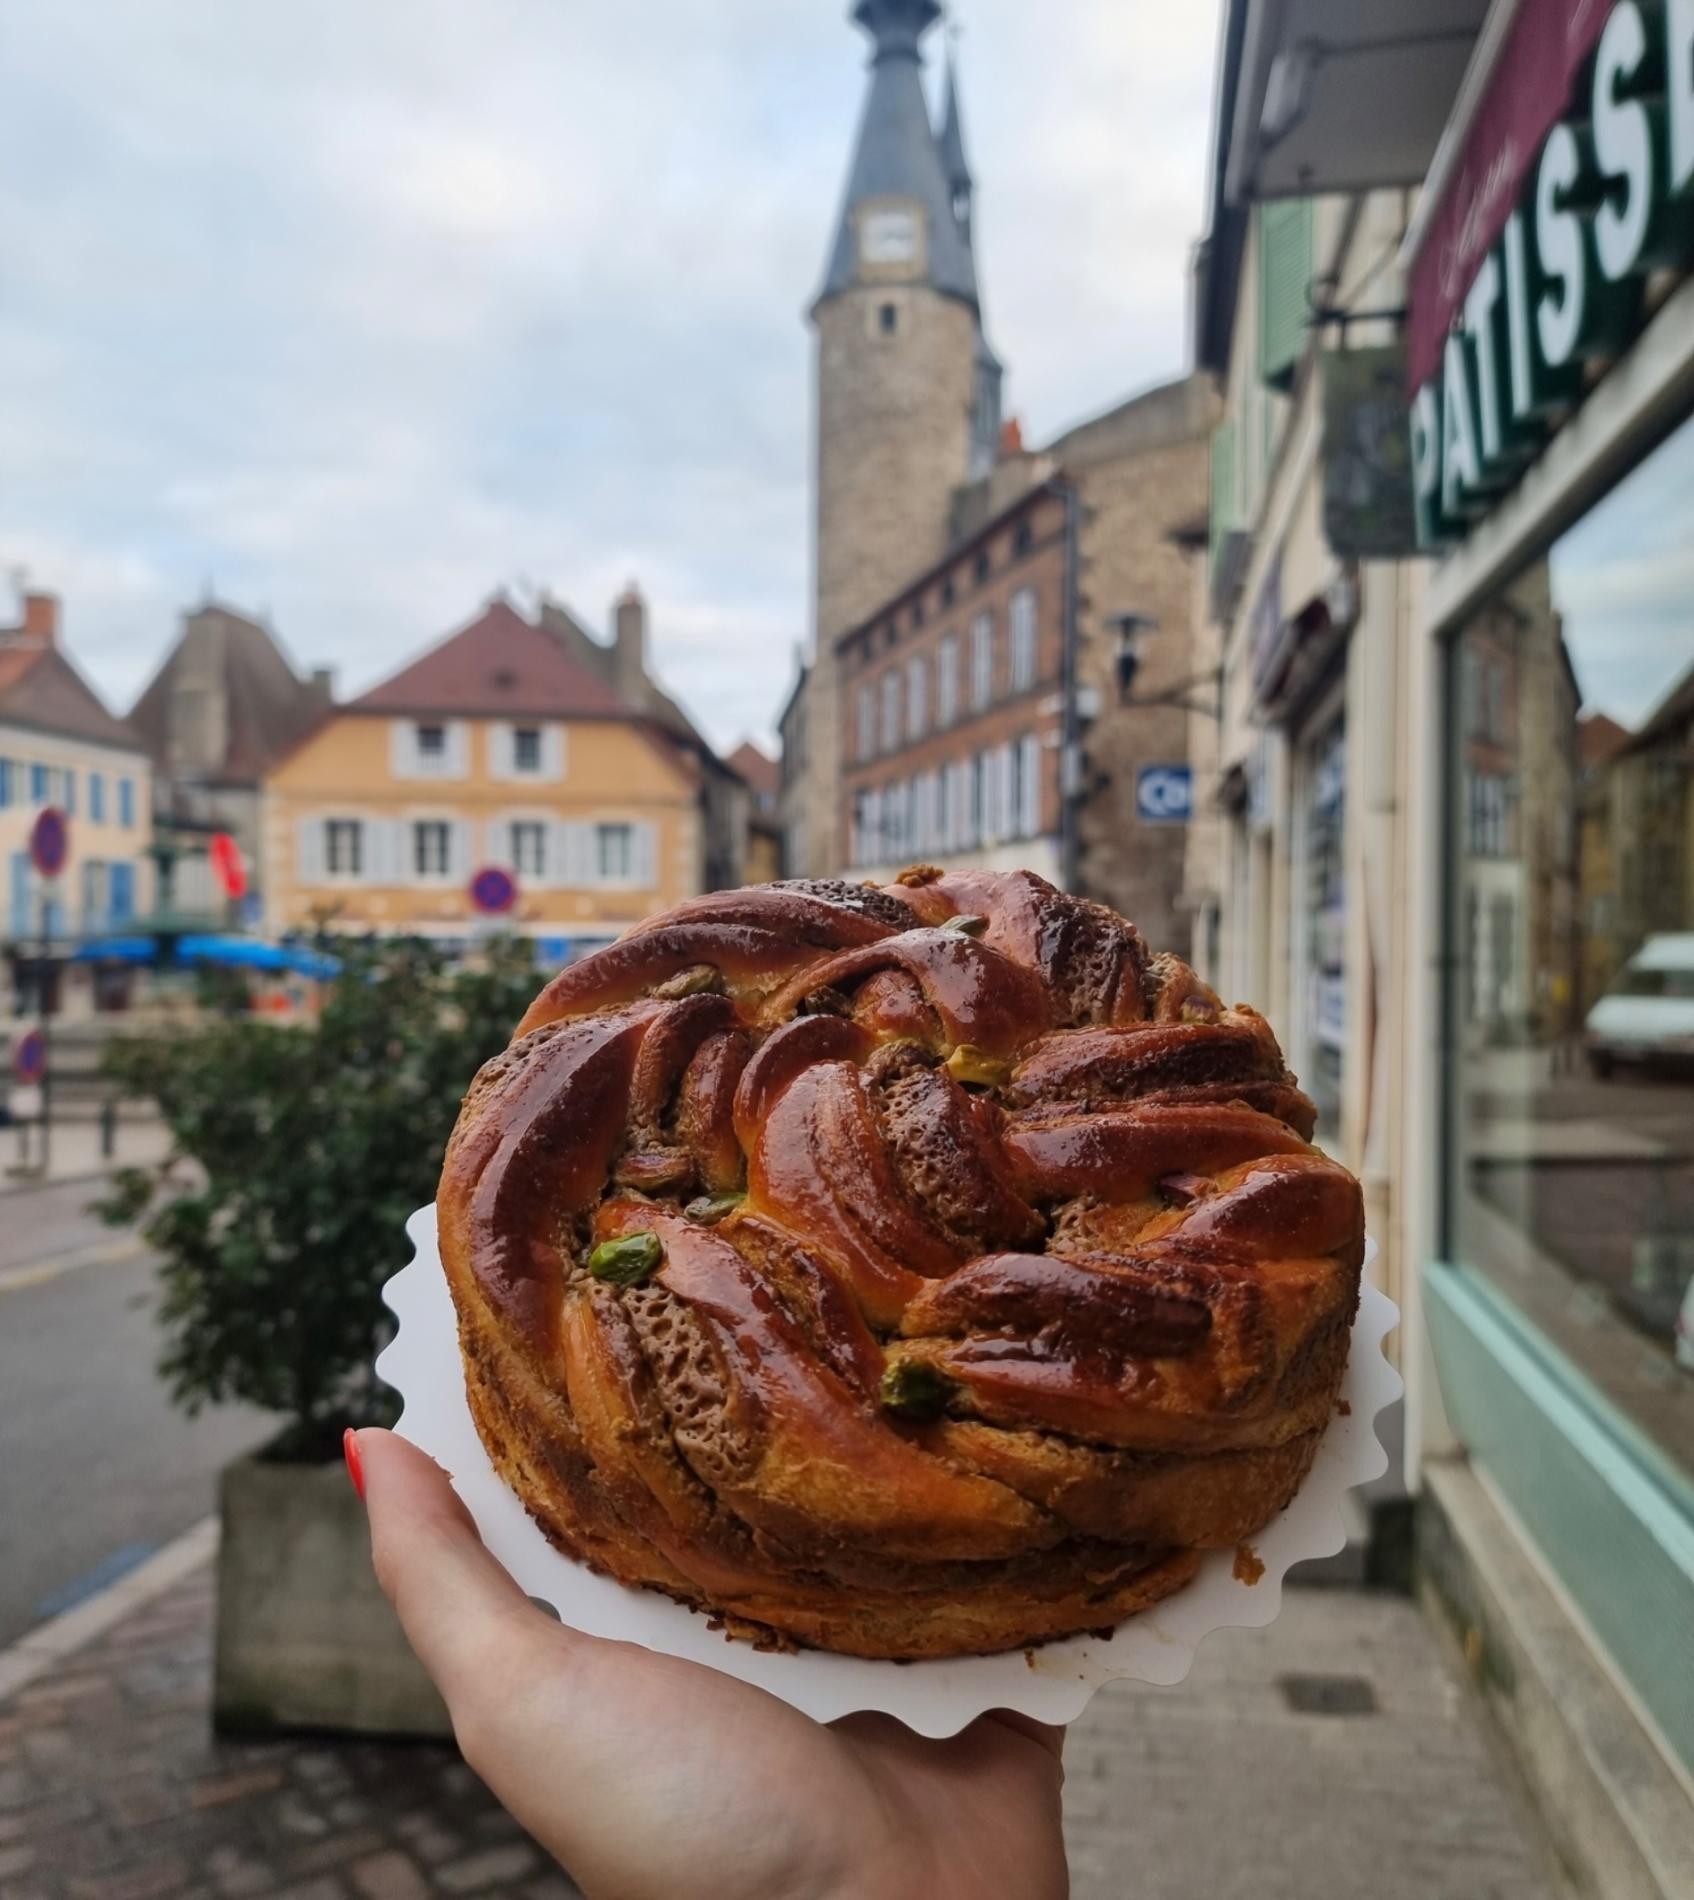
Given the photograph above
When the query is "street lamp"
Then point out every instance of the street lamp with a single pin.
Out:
(1132, 629)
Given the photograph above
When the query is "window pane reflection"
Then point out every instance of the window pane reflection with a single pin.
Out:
(1572, 1012)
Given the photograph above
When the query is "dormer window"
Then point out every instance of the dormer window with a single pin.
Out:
(531, 750)
(430, 748)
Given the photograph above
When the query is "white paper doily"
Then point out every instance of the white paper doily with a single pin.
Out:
(1052, 1684)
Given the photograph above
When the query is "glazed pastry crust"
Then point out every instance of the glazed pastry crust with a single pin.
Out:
(992, 1280)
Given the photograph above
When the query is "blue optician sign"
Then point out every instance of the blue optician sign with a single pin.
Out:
(1164, 794)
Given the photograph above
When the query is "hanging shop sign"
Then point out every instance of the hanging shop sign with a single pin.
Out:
(1367, 455)
(229, 867)
(1578, 179)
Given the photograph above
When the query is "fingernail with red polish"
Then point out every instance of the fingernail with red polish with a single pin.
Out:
(350, 1451)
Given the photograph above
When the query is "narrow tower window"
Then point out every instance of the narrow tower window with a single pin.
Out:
(890, 319)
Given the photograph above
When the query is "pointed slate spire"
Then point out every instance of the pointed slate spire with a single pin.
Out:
(897, 155)
(953, 160)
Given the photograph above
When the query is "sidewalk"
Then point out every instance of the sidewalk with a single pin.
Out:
(1327, 1757)
(74, 1152)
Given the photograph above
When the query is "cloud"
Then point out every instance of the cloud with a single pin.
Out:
(359, 312)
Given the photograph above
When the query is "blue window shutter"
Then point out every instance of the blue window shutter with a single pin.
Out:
(1285, 277)
(70, 792)
(121, 894)
(126, 802)
(5, 783)
(21, 921)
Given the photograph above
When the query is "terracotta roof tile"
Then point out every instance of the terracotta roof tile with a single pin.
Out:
(40, 687)
(499, 665)
(759, 770)
(269, 706)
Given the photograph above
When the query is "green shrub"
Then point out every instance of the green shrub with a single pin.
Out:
(299, 1153)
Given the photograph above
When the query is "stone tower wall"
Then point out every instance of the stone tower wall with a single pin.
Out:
(893, 443)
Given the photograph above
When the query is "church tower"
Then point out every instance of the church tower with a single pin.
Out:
(908, 391)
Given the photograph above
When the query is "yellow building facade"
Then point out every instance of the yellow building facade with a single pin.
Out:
(494, 751)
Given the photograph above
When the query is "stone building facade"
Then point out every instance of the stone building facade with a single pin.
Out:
(1140, 472)
(951, 704)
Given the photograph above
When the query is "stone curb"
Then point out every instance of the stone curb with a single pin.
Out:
(60, 1636)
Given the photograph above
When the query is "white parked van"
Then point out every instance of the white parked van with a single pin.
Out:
(1647, 1015)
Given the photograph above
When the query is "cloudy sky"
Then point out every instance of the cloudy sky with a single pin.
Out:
(356, 312)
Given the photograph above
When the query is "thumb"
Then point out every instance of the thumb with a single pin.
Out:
(461, 1611)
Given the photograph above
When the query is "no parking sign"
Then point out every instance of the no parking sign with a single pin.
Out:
(50, 842)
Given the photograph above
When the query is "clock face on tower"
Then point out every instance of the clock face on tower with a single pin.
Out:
(888, 237)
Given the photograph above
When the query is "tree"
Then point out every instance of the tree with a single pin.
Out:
(306, 1150)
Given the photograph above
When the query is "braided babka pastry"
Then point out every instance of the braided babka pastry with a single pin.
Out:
(909, 1270)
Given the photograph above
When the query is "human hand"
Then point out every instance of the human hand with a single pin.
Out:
(650, 1778)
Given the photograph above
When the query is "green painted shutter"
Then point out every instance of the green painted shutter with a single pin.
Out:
(1223, 486)
(1285, 276)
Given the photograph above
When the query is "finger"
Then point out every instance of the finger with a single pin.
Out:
(1050, 1738)
(461, 1611)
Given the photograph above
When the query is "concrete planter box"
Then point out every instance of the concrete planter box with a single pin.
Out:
(305, 1638)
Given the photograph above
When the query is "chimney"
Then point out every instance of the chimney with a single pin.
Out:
(629, 624)
(41, 619)
(323, 683)
(1011, 439)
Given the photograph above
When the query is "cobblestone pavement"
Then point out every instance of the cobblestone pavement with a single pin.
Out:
(113, 1788)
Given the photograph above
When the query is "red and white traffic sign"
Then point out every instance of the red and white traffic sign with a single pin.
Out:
(50, 842)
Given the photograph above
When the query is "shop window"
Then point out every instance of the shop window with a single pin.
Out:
(1322, 920)
(1570, 1010)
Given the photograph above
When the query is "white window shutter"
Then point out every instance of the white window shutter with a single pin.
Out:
(501, 762)
(572, 849)
(644, 855)
(402, 749)
(458, 749)
(460, 843)
(379, 851)
(1029, 819)
(553, 751)
(309, 858)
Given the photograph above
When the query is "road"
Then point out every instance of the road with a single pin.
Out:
(97, 1468)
